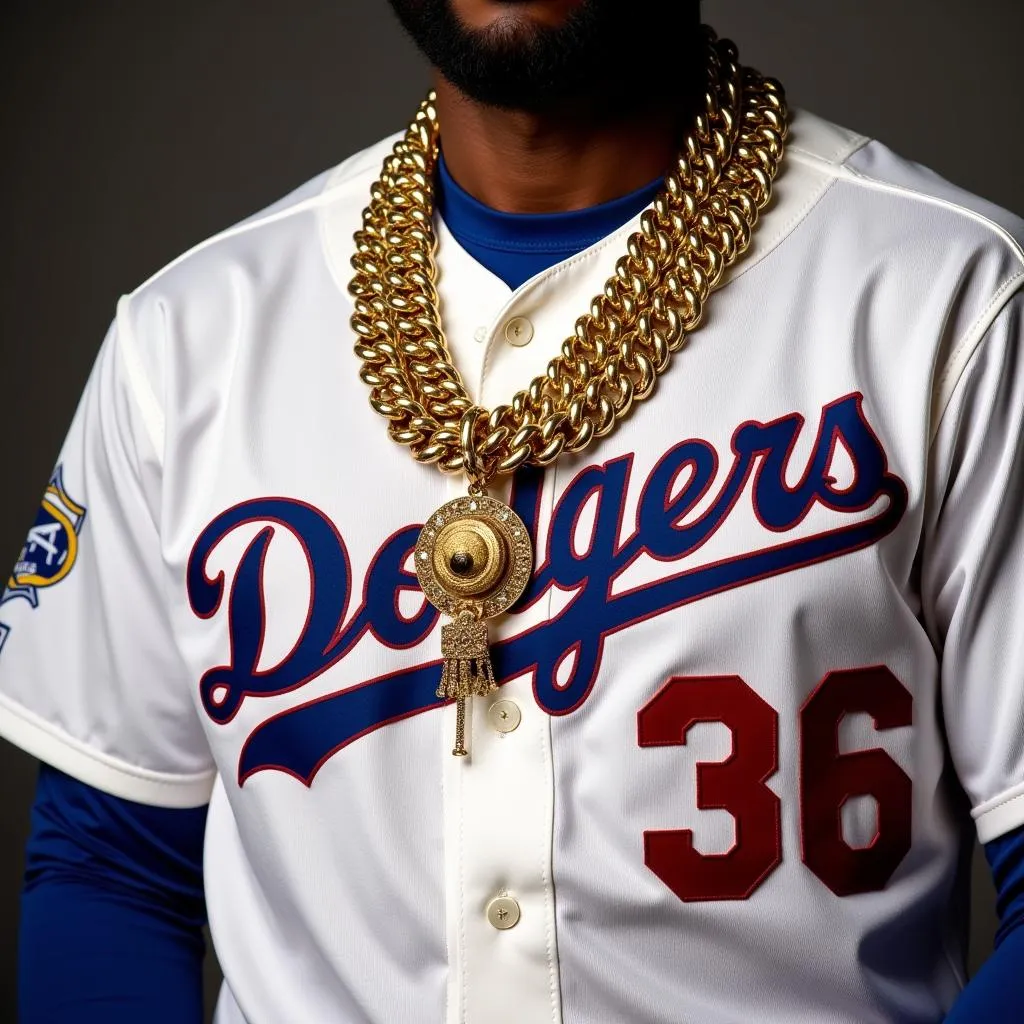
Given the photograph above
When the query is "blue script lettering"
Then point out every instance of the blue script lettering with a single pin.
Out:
(300, 739)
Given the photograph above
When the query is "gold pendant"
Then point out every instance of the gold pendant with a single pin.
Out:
(473, 561)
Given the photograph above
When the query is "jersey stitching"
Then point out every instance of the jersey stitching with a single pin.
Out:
(461, 966)
(550, 924)
(360, 161)
(838, 156)
(964, 351)
(973, 337)
(346, 171)
(844, 141)
(546, 868)
(305, 205)
(549, 275)
(138, 380)
(733, 274)
(1000, 815)
(334, 260)
(856, 177)
(162, 780)
(1007, 796)
(816, 196)
(450, 953)
(352, 166)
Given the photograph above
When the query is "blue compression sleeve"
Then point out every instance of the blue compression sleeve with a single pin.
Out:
(996, 993)
(112, 910)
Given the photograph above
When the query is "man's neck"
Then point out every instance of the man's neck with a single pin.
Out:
(521, 162)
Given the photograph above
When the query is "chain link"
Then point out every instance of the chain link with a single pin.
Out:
(698, 225)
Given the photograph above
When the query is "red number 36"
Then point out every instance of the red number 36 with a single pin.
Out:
(739, 784)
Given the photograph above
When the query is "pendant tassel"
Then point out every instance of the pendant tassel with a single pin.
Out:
(467, 669)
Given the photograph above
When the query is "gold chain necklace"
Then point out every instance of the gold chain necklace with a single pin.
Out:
(474, 557)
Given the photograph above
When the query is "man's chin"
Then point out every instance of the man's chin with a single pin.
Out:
(549, 55)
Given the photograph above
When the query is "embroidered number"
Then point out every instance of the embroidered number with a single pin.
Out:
(828, 779)
(738, 784)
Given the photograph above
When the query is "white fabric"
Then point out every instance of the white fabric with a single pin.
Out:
(349, 864)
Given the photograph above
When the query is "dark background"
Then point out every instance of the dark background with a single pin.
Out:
(129, 131)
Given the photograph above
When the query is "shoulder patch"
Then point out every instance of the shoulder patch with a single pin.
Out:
(51, 548)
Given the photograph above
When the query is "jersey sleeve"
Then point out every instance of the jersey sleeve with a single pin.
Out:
(973, 572)
(91, 680)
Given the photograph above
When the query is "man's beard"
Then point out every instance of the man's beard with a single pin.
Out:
(621, 54)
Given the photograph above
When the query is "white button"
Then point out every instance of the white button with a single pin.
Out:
(503, 913)
(518, 331)
(504, 715)
(480, 334)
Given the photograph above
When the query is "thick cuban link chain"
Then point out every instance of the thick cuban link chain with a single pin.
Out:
(698, 225)
(473, 557)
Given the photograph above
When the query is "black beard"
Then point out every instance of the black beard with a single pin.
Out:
(614, 54)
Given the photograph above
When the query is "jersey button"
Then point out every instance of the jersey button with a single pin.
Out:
(504, 715)
(503, 913)
(480, 334)
(518, 331)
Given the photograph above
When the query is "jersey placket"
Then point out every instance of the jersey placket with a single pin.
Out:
(498, 809)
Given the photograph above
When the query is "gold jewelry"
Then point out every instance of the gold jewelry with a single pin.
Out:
(473, 559)
(468, 559)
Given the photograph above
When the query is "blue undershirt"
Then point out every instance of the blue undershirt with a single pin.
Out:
(112, 910)
(516, 246)
(113, 907)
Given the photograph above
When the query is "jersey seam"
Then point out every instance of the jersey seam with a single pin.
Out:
(734, 273)
(358, 162)
(548, 276)
(854, 143)
(351, 167)
(547, 872)
(1008, 795)
(161, 781)
(963, 353)
(973, 337)
(846, 173)
(545, 248)
(138, 380)
(462, 967)
(337, 177)
(551, 898)
(997, 807)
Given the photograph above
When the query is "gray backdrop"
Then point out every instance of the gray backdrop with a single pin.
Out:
(130, 130)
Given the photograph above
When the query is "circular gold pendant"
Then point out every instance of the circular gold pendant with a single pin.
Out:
(474, 553)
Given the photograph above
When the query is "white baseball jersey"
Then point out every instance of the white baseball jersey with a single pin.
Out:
(768, 668)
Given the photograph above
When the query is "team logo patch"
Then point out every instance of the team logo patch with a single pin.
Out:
(50, 550)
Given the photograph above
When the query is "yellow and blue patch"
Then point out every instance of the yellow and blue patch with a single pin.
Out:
(50, 550)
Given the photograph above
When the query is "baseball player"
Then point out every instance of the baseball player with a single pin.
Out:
(646, 649)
